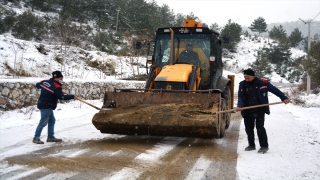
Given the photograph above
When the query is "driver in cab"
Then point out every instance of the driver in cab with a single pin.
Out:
(189, 56)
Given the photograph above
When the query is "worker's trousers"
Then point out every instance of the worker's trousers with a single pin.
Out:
(252, 119)
(47, 118)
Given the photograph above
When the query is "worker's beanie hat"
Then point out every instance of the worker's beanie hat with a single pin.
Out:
(57, 74)
(248, 72)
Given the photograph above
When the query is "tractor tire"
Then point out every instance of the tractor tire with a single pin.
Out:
(223, 121)
(227, 97)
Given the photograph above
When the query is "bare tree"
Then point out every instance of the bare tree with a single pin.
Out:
(132, 69)
(68, 34)
(15, 48)
(121, 68)
(24, 48)
(101, 70)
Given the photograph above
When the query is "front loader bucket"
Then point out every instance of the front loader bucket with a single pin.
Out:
(160, 113)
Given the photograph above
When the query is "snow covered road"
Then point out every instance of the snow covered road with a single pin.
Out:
(293, 133)
(88, 154)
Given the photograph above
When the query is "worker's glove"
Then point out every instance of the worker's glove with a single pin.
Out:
(286, 101)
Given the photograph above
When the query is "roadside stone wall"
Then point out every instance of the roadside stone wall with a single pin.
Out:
(18, 93)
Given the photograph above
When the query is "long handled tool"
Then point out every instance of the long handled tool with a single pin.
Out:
(249, 107)
(76, 98)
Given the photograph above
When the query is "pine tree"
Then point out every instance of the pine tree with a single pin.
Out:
(191, 15)
(233, 32)
(246, 34)
(280, 54)
(278, 33)
(2, 26)
(9, 21)
(312, 64)
(179, 19)
(28, 26)
(313, 41)
(215, 26)
(36, 4)
(262, 66)
(295, 37)
(259, 25)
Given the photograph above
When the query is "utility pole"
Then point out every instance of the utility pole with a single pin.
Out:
(309, 46)
(117, 19)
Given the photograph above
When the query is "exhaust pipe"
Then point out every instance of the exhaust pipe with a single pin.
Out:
(172, 58)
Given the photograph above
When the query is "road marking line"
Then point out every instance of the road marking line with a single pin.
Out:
(160, 149)
(126, 173)
(27, 173)
(199, 169)
(58, 176)
(6, 169)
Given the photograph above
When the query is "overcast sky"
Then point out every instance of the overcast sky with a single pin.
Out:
(245, 12)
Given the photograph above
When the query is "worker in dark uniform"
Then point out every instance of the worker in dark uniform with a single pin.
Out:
(189, 56)
(51, 92)
(254, 91)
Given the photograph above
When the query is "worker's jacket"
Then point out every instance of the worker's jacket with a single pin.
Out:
(190, 57)
(262, 87)
(51, 91)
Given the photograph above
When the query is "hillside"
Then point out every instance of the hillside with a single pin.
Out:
(78, 63)
(83, 49)
(91, 25)
(246, 54)
(290, 26)
(23, 57)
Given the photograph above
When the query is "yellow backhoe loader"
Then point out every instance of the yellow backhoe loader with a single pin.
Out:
(184, 89)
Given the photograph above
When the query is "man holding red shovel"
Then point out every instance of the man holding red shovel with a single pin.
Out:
(254, 91)
(51, 91)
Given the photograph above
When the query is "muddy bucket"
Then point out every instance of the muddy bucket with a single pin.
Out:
(160, 113)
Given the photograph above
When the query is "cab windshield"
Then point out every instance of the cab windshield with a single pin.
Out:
(198, 55)
(200, 45)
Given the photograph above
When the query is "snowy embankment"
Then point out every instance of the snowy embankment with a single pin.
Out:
(247, 51)
(75, 63)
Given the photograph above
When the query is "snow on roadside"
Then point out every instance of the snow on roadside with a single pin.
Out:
(17, 127)
(293, 135)
(293, 131)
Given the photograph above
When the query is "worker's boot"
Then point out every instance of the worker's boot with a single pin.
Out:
(263, 150)
(37, 141)
(250, 148)
(53, 139)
